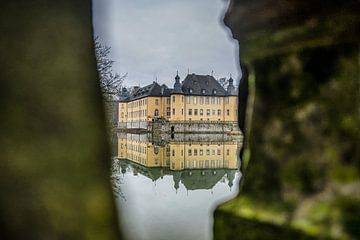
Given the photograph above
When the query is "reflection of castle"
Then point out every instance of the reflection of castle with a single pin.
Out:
(175, 155)
(198, 164)
(192, 179)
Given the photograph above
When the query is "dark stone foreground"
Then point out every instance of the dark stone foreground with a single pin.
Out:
(301, 158)
(54, 168)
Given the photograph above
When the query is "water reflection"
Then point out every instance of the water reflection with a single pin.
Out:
(168, 186)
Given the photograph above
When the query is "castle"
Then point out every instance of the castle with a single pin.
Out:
(198, 99)
(196, 162)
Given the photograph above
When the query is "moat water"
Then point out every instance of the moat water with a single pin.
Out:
(169, 189)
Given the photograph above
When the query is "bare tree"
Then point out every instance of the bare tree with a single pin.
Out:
(110, 83)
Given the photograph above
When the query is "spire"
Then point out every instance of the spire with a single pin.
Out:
(231, 88)
(177, 85)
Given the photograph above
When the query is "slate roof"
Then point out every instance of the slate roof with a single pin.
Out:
(193, 84)
(202, 85)
(153, 89)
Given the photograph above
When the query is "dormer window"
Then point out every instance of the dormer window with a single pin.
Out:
(203, 91)
(214, 91)
(190, 90)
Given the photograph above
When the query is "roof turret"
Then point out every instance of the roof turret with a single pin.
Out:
(177, 85)
(231, 88)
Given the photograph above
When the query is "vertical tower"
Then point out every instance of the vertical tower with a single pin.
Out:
(177, 101)
(230, 106)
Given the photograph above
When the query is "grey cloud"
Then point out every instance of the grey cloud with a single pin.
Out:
(156, 38)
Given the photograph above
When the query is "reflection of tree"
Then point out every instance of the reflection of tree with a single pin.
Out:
(117, 179)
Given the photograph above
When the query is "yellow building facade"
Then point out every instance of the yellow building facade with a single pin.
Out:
(178, 156)
(199, 98)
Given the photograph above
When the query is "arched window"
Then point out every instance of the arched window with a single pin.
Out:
(156, 113)
(156, 149)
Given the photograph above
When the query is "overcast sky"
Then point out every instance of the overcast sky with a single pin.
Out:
(153, 39)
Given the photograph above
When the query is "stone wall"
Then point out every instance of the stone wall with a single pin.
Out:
(191, 127)
(133, 125)
(55, 158)
(182, 127)
(302, 156)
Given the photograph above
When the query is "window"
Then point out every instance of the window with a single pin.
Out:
(228, 112)
(168, 101)
(201, 112)
(173, 111)
(219, 112)
(182, 98)
(173, 99)
(218, 100)
(228, 152)
(195, 112)
(122, 114)
(156, 101)
(203, 91)
(189, 152)
(190, 111)
(207, 100)
(195, 152)
(213, 152)
(227, 100)
(213, 100)
(213, 163)
(156, 113)
(218, 152)
(188, 99)
(201, 152)
(194, 164)
(213, 112)
(206, 163)
(195, 99)
(201, 100)
(207, 152)
(207, 112)
(122, 106)
(201, 163)
(173, 152)
(168, 111)
(214, 91)
(182, 111)
(187, 164)
(190, 90)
